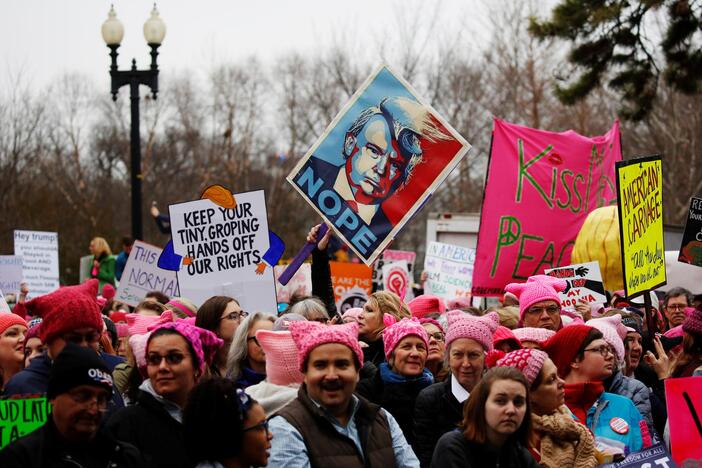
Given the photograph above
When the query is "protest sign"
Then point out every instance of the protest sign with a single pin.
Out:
(19, 417)
(654, 456)
(584, 283)
(40, 262)
(141, 274)
(300, 283)
(640, 191)
(352, 284)
(390, 256)
(377, 162)
(4, 306)
(684, 402)
(449, 270)
(86, 264)
(540, 188)
(223, 249)
(396, 278)
(691, 246)
(10, 273)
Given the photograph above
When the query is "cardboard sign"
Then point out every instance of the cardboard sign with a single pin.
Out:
(390, 256)
(540, 188)
(584, 283)
(10, 273)
(653, 457)
(141, 275)
(396, 278)
(691, 246)
(19, 417)
(449, 270)
(377, 162)
(40, 262)
(86, 264)
(300, 283)
(684, 402)
(350, 281)
(224, 248)
(640, 190)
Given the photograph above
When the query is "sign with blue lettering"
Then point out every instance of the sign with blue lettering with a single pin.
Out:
(652, 457)
(142, 275)
(377, 162)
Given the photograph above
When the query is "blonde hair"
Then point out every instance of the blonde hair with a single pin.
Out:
(390, 303)
(101, 246)
(509, 316)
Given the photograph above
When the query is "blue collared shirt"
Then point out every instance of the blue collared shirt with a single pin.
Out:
(288, 447)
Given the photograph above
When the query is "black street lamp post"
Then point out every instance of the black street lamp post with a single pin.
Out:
(112, 33)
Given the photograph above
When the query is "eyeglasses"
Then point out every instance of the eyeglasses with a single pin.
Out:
(85, 397)
(550, 310)
(77, 338)
(173, 359)
(235, 315)
(604, 350)
(253, 338)
(257, 427)
(438, 336)
(677, 307)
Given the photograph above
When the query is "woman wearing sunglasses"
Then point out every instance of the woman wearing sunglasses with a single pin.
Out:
(225, 427)
(177, 355)
(221, 315)
(246, 363)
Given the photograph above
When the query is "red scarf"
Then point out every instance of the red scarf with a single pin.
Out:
(579, 398)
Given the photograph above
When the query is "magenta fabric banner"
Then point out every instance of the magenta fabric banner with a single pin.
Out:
(540, 188)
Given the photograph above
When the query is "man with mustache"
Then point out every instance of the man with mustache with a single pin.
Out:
(327, 425)
(79, 389)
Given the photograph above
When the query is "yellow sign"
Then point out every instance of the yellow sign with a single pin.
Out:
(640, 191)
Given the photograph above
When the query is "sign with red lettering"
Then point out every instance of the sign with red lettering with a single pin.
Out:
(684, 401)
(540, 188)
(584, 283)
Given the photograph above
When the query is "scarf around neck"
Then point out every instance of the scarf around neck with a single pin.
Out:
(388, 376)
(579, 397)
(564, 441)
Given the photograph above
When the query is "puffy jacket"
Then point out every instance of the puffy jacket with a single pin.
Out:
(615, 421)
(455, 451)
(637, 392)
(436, 412)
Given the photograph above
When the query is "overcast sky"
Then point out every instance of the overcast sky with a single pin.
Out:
(42, 39)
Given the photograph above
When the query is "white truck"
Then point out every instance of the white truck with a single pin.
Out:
(454, 228)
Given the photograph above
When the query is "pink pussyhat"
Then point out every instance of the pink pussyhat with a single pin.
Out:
(480, 329)
(613, 331)
(308, 335)
(533, 334)
(505, 334)
(139, 324)
(426, 304)
(537, 288)
(138, 345)
(352, 313)
(281, 357)
(396, 332)
(527, 361)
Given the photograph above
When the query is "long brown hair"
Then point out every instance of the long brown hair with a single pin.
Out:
(690, 358)
(474, 424)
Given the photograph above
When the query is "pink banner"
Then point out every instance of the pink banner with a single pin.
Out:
(540, 188)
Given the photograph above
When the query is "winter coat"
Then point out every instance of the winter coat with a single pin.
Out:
(646, 375)
(436, 412)
(106, 273)
(45, 448)
(632, 389)
(322, 282)
(148, 426)
(454, 450)
(396, 398)
(610, 410)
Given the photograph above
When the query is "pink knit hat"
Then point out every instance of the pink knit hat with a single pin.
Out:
(459, 303)
(480, 329)
(122, 330)
(204, 342)
(8, 319)
(613, 331)
(693, 323)
(108, 291)
(352, 312)
(528, 361)
(504, 334)
(536, 335)
(425, 305)
(138, 345)
(281, 357)
(396, 332)
(308, 335)
(139, 324)
(537, 288)
(674, 332)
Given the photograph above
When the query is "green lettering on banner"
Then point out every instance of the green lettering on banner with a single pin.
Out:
(21, 416)
(523, 166)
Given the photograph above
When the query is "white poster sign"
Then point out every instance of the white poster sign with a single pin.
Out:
(584, 283)
(300, 283)
(86, 264)
(396, 278)
(40, 262)
(142, 275)
(449, 270)
(4, 307)
(222, 251)
(10, 273)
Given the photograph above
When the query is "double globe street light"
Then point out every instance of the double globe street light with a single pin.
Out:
(112, 34)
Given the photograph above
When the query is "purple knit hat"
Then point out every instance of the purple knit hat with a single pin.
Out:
(533, 334)
(537, 288)
(527, 361)
(396, 332)
(693, 323)
(308, 335)
(204, 342)
(480, 329)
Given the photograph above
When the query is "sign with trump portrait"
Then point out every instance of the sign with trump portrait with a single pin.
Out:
(378, 161)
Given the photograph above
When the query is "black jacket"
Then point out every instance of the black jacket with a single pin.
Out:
(454, 450)
(44, 448)
(436, 412)
(396, 398)
(149, 427)
(322, 282)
